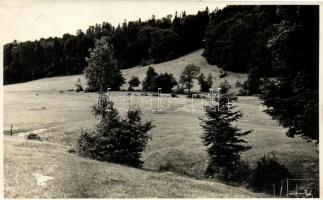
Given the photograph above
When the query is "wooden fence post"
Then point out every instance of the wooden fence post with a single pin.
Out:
(274, 191)
(287, 188)
(281, 189)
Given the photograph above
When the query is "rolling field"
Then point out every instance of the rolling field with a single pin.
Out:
(175, 67)
(58, 115)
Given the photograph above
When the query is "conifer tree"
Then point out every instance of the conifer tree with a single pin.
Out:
(147, 82)
(114, 139)
(223, 141)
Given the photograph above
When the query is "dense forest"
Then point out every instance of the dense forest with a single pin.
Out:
(134, 43)
(238, 38)
(279, 48)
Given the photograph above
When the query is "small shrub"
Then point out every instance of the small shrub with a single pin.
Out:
(88, 89)
(72, 151)
(238, 175)
(225, 87)
(134, 82)
(174, 95)
(168, 166)
(79, 88)
(223, 74)
(194, 95)
(205, 83)
(179, 90)
(144, 94)
(267, 172)
(241, 174)
(78, 85)
(238, 84)
(242, 91)
(33, 136)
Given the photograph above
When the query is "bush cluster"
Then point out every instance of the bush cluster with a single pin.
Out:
(153, 81)
(114, 139)
(205, 83)
(267, 172)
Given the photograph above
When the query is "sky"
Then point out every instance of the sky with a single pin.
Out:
(34, 19)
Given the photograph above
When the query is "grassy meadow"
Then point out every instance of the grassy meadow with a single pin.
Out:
(49, 106)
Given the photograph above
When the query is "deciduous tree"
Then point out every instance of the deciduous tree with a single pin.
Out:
(190, 73)
(102, 71)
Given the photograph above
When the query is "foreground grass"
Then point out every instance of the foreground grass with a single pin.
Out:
(76, 177)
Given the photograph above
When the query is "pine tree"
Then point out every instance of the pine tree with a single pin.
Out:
(147, 82)
(223, 141)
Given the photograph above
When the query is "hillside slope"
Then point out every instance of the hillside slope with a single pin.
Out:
(175, 67)
(76, 177)
(176, 144)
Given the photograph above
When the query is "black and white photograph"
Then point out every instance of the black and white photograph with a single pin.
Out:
(160, 99)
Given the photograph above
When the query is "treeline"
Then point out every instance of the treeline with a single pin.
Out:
(236, 37)
(134, 43)
(25, 61)
(239, 38)
(279, 47)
